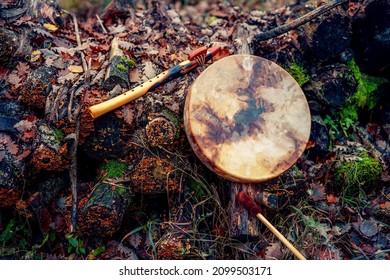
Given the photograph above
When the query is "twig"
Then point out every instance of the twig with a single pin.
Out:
(298, 22)
(77, 32)
(73, 175)
(101, 24)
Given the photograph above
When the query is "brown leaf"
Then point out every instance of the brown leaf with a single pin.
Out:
(317, 191)
(3, 73)
(135, 75)
(331, 198)
(128, 114)
(75, 69)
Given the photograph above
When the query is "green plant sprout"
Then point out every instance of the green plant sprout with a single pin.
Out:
(75, 245)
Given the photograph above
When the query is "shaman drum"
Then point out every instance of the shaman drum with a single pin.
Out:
(247, 119)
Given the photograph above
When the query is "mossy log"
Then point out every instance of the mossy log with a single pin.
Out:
(119, 68)
(103, 212)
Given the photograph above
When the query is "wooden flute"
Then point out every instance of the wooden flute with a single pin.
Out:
(196, 58)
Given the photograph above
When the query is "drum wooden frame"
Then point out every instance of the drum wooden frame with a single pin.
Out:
(247, 119)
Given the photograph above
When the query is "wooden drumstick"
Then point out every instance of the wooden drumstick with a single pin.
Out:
(247, 202)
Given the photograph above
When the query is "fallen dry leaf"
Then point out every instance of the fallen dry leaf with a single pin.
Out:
(75, 69)
(50, 27)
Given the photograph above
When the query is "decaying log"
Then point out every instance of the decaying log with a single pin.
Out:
(14, 152)
(119, 68)
(50, 151)
(11, 175)
(109, 139)
(102, 213)
(177, 241)
(317, 38)
(38, 85)
(162, 129)
(155, 175)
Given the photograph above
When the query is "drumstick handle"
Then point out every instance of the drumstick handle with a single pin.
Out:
(280, 236)
(247, 202)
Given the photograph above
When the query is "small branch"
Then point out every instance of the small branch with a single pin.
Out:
(73, 174)
(77, 32)
(101, 24)
(298, 22)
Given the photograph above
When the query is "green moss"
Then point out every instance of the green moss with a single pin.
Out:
(298, 72)
(212, 19)
(58, 135)
(121, 67)
(121, 190)
(364, 98)
(367, 85)
(361, 174)
(114, 168)
(128, 61)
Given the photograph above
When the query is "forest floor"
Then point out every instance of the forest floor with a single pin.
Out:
(334, 202)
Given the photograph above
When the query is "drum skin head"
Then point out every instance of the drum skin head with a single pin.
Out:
(247, 119)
